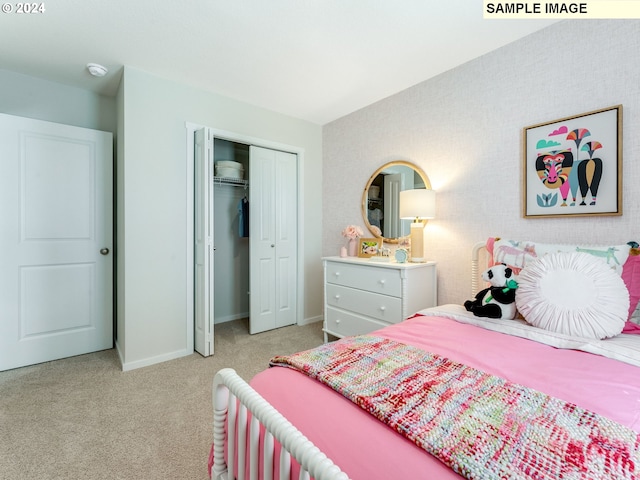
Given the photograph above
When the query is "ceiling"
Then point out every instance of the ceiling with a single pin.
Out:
(315, 60)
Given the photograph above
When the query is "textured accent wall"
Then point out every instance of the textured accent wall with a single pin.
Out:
(464, 128)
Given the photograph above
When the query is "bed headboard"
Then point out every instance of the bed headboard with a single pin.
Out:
(479, 262)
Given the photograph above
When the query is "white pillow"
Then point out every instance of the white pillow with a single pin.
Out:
(574, 294)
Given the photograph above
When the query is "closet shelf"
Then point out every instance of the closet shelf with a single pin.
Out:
(236, 182)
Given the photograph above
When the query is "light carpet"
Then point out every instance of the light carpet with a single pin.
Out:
(83, 418)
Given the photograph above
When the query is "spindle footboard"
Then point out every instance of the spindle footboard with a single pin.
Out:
(239, 409)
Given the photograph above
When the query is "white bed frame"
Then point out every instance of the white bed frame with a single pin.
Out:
(479, 256)
(234, 399)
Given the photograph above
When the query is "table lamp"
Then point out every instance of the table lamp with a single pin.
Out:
(417, 205)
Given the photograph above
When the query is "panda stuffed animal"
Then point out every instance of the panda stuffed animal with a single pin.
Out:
(498, 300)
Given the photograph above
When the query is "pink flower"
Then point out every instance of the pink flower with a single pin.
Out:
(352, 231)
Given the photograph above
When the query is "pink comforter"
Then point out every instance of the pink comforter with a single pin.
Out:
(367, 449)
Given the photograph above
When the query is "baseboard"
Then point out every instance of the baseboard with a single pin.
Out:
(231, 318)
(119, 353)
(145, 362)
(307, 321)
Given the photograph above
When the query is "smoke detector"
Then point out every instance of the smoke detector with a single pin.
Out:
(97, 70)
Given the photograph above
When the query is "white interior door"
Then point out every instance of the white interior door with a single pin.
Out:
(273, 239)
(203, 248)
(56, 260)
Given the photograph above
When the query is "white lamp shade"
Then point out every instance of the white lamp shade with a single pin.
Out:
(418, 203)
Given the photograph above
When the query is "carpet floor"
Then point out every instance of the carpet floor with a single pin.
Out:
(83, 418)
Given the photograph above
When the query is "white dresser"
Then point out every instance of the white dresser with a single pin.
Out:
(361, 295)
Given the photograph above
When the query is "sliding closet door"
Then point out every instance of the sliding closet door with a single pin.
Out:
(273, 239)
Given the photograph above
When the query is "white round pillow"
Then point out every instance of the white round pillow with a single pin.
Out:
(573, 293)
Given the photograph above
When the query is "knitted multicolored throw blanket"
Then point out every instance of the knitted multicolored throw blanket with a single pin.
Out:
(480, 425)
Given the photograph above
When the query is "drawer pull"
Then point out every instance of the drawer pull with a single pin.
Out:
(337, 321)
(337, 296)
(337, 274)
(383, 308)
(382, 281)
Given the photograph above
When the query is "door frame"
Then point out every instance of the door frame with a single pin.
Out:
(247, 140)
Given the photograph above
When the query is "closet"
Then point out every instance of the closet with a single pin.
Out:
(239, 274)
(231, 242)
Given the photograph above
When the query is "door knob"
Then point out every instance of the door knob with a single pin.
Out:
(104, 251)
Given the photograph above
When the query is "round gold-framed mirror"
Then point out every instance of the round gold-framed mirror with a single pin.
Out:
(381, 198)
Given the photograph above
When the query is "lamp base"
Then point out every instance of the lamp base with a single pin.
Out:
(417, 243)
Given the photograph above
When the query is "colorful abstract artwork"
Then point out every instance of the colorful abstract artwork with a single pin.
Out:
(573, 166)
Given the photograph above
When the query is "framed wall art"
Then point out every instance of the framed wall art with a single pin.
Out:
(573, 166)
(368, 247)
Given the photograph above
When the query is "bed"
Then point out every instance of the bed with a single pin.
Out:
(448, 395)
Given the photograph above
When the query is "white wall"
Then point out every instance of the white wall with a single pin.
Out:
(152, 212)
(464, 129)
(32, 97)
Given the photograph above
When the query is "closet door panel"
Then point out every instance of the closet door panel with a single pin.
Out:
(265, 300)
(273, 239)
(203, 244)
(286, 246)
(262, 240)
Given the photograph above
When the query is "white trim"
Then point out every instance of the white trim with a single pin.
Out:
(475, 259)
(120, 356)
(190, 130)
(145, 362)
(258, 142)
(231, 318)
(310, 320)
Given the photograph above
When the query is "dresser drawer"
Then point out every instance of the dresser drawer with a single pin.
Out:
(341, 323)
(380, 307)
(386, 281)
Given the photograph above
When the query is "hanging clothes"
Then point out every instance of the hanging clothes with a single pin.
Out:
(375, 216)
(243, 217)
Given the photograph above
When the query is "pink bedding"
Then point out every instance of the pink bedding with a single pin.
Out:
(365, 448)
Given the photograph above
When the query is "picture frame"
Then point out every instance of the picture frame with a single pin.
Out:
(368, 247)
(573, 166)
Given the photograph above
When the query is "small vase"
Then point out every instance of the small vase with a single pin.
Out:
(353, 247)
(343, 252)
